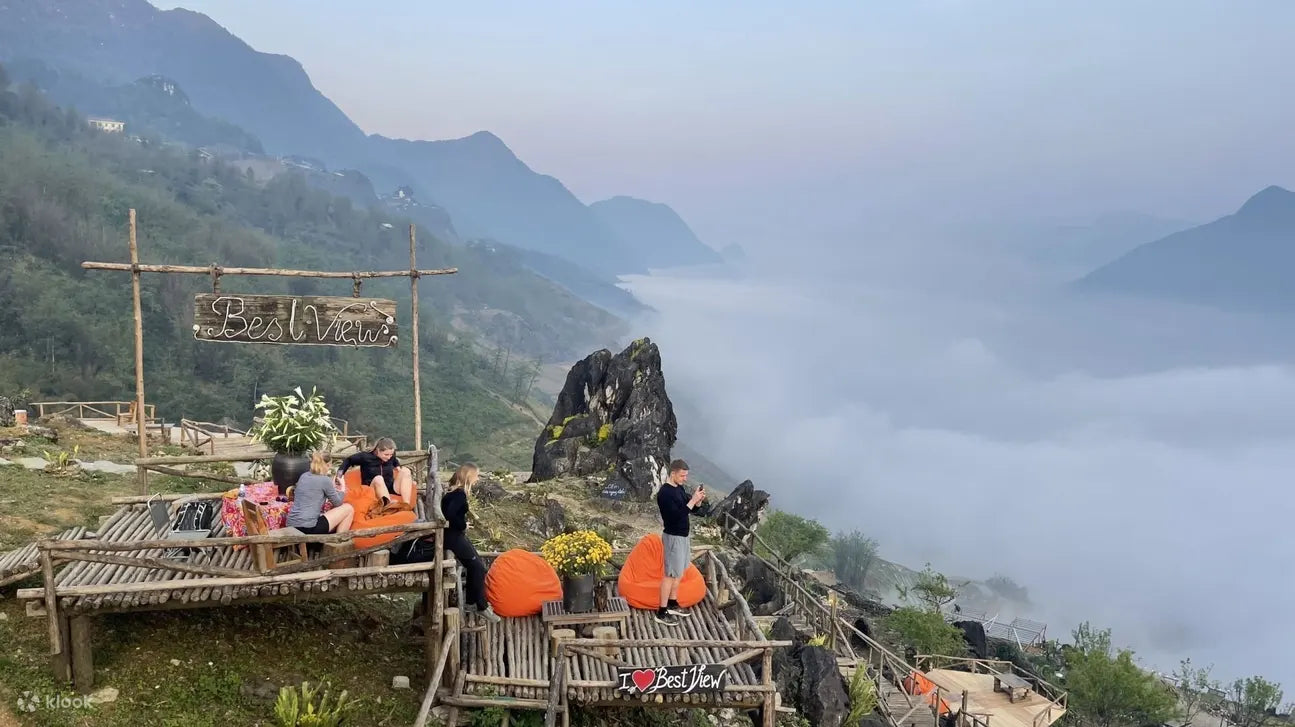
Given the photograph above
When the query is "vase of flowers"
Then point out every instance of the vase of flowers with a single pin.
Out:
(579, 558)
(291, 426)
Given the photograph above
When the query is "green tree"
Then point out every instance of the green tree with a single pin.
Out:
(1107, 689)
(931, 589)
(1196, 691)
(926, 631)
(1253, 701)
(792, 536)
(853, 554)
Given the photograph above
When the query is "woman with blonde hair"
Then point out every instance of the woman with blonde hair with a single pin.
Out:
(454, 506)
(308, 496)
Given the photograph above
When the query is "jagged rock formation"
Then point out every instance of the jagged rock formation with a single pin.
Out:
(808, 677)
(746, 505)
(824, 699)
(6, 412)
(613, 417)
(973, 632)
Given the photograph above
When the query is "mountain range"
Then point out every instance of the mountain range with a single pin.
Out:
(478, 180)
(1242, 261)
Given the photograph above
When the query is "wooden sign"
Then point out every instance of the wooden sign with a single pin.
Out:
(294, 320)
(681, 679)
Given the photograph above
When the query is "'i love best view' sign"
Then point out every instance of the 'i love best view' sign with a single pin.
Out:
(682, 679)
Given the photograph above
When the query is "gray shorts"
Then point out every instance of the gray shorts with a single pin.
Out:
(677, 550)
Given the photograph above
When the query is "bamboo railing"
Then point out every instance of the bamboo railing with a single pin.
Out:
(117, 411)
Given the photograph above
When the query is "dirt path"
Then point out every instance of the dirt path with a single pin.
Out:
(6, 717)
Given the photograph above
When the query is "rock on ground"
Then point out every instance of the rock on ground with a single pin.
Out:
(614, 418)
(489, 491)
(746, 505)
(824, 699)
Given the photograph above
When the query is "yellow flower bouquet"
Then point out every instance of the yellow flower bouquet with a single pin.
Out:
(576, 554)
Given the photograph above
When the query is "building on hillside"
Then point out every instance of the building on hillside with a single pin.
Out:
(112, 126)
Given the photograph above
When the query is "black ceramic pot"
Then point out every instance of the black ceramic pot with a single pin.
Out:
(578, 593)
(286, 469)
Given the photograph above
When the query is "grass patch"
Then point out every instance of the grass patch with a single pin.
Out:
(34, 503)
(231, 663)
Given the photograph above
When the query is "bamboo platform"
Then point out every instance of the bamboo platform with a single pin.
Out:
(24, 562)
(514, 664)
(1035, 710)
(124, 568)
(120, 587)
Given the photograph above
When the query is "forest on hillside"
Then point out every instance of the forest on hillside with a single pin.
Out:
(65, 193)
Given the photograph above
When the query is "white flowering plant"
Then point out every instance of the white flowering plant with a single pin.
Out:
(294, 423)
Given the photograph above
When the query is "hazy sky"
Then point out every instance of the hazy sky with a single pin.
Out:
(758, 121)
(1145, 455)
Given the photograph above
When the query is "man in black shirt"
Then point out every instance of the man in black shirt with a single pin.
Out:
(675, 506)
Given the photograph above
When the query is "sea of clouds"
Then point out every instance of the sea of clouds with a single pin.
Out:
(1127, 461)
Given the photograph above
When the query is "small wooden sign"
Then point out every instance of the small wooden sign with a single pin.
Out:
(294, 320)
(679, 679)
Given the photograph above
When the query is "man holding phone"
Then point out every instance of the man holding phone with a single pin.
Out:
(675, 506)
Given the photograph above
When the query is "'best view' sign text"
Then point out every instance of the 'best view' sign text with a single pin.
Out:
(294, 319)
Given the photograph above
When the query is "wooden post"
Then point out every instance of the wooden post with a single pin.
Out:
(63, 660)
(56, 643)
(432, 614)
(962, 713)
(139, 355)
(413, 292)
(770, 710)
(82, 656)
(452, 625)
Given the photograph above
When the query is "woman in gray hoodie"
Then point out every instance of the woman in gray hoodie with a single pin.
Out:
(313, 488)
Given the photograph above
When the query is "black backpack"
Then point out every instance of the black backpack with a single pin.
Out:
(422, 550)
(195, 515)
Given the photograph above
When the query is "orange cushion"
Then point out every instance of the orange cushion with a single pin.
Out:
(519, 582)
(362, 498)
(640, 579)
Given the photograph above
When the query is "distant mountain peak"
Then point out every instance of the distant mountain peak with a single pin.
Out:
(1270, 201)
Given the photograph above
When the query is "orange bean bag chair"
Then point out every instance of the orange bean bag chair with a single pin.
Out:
(362, 498)
(640, 579)
(519, 582)
(917, 683)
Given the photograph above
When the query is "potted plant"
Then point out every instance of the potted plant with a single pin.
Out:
(291, 426)
(578, 558)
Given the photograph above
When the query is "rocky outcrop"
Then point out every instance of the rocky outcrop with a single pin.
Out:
(824, 699)
(745, 505)
(6, 412)
(763, 592)
(487, 490)
(786, 663)
(613, 418)
(973, 632)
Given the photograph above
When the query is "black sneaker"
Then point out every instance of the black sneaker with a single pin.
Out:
(678, 611)
(668, 619)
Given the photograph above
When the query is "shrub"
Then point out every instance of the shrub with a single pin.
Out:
(297, 707)
(926, 631)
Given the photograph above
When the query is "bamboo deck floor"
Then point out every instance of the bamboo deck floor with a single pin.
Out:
(518, 648)
(132, 522)
(983, 700)
(24, 562)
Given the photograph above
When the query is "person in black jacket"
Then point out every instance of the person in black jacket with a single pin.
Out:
(675, 505)
(380, 470)
(454, 506)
